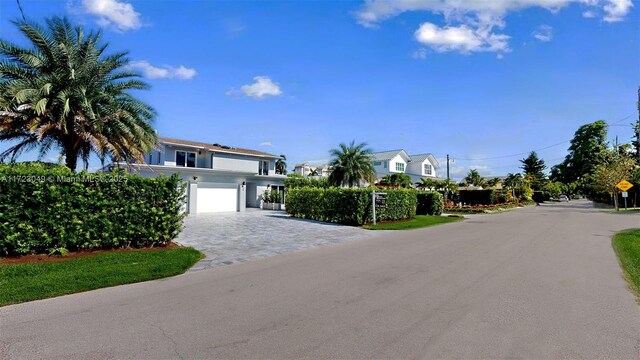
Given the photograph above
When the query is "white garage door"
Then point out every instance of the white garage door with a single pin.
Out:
(216, 197)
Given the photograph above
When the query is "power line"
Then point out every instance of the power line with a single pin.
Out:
(21, 11)
(540, 149)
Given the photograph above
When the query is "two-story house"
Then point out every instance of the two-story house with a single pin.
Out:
(219, 178)
(305, 169)
(398, 161)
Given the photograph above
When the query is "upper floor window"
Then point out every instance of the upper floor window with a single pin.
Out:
(263, 167)
(385, 164)
(377, 163)
(400, 167)
(427, 169)
(185, 158)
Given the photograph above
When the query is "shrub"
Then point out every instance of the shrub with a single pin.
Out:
(429, 203)
(348, 206)
(45, 208)
(299, 181)
(271, 196)
(477, 197)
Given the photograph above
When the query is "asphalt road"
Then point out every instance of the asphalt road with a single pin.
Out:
(539, 282)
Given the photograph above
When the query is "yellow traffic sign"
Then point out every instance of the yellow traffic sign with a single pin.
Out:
(624, 185)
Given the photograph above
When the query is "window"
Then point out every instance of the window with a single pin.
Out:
(263, 167)
(400, 167)
(427, 169)
(385, 164)
(377, 163)
(185, 158)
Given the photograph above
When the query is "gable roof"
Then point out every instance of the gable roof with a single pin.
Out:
(422, 157)
(388, 155)
(215, 147)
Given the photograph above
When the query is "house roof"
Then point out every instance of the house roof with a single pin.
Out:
(422, 157)
(388, 155)
(215, 147)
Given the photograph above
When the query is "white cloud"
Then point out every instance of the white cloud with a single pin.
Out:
(469, 25)
(266, 143)
(113, 13)
(164, 72)
(461, 38)
(616, 10)
(589, 14)
(263, 86)
(543, 33)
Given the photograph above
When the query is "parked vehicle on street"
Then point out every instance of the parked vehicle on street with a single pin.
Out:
(563, 198)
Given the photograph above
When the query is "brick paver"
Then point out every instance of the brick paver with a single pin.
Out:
(228, 238)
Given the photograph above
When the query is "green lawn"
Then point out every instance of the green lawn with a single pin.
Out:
(32, 281)
(627, 245)
(419, 221)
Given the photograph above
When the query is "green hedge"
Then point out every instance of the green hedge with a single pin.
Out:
(477, 197)
(429, 203)
(349, 206)
(46, 207)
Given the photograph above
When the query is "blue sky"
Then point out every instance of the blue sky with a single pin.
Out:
(473, 79)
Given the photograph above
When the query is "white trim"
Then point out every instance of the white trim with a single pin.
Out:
(222, 151)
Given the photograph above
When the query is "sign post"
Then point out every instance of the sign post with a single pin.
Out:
(378, 201)
(624, 185)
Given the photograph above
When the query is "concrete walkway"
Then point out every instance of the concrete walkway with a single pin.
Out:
(228, 238)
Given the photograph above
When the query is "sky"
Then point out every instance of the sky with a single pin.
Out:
(483, 81)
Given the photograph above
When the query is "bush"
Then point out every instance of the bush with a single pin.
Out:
(299, 181)
(45, 208)
(271, 196)
(348, 206)
(429, 203)
(477, 197)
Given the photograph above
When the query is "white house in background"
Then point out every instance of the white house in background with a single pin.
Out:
(305, 169)
(398, 161)
(220, 178)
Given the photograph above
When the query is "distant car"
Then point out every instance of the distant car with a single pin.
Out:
(563, 198)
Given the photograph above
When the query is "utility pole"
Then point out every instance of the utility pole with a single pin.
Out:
(638, 130)
(448, 154)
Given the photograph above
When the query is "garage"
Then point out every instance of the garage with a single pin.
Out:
(214, 197)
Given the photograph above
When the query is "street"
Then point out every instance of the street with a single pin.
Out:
(538, 282)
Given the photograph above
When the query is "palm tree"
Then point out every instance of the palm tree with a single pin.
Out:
(351, 164)
(475, 179)
(65, 93)
(281, 165)
(314, 172)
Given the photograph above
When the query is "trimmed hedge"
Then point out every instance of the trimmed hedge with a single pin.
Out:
(46, 208)
(349, 206)
(477, 197)
(429, 203)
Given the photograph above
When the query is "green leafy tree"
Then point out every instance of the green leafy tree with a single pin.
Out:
(554, 188)
(351, 164)
(512, 181)
(493, 182)
(474, 178)
(613, 169)
(281, 165)
(588, 146)
(533, 168)
(396, 180)
(65, 93)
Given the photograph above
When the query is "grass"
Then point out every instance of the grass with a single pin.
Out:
(419, 221)
(627, 245)
(22, 282)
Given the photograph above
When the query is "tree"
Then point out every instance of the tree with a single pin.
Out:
(493, 182)
(613, 169)
(65, 93)
(533, 168)
(351, 164)
(396, 180)
(474, 178)
(281, 165)
(314, 172)
(437, 185)
(554, 188)
(512, 181)
(587, 148)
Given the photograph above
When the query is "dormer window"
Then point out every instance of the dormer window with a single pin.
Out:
(186, 159)
(427, 169)
(400, 167)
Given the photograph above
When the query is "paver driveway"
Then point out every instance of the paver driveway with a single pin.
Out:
(228, 238)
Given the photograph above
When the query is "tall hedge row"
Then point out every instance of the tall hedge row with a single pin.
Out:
(44, 207)
(353, 206)
(477, 197)
(429, 203)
